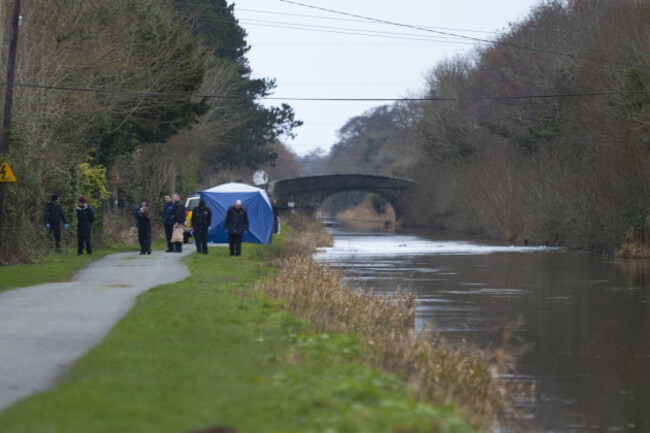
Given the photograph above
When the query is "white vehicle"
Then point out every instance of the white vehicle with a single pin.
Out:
(190, 204)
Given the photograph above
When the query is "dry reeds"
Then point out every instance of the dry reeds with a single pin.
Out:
(440, 372)
(636, 245)
(634, 250)
(308, 234)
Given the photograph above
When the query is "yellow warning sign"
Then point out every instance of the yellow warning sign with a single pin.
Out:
(6, 174)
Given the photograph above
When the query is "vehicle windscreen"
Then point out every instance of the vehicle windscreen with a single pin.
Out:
(194, 202)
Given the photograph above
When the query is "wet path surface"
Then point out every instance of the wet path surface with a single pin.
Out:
(45, 328)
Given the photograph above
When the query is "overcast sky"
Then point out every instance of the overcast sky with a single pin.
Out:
(318, 54)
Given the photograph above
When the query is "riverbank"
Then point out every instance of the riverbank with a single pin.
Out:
(211, 351)
(438, 371)
(367, 213)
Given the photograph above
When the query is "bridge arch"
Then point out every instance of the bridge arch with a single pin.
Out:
(307, 192)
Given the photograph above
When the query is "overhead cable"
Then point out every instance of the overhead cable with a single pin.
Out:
(340, 30)
(317, 99)
(472, 38)
(356, 32)
(209, 6)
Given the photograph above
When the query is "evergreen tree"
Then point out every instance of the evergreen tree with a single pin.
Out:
(248, 144)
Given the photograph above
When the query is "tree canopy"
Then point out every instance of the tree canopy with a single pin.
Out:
(111, 85)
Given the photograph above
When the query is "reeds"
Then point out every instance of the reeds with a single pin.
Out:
(636, 245)
(440, 372)
(634, 250)
(307, 235)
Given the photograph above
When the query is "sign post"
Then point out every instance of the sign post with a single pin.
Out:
(261, 179)
(8, 99)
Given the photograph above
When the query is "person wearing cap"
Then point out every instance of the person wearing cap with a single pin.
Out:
(85, 218)
(143, 217)
(53, 217)
(201, 220)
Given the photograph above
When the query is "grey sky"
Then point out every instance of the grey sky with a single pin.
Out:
(338, 61)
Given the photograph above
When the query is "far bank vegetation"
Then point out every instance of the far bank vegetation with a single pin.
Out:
(547, 143)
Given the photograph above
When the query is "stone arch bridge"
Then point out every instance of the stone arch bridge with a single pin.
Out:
(308, 192)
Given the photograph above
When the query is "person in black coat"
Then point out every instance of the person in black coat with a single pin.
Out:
(143, 217)
(201, 220)
(168, 221)
(179, 216)
(276, 217)
(85, 218)
(236, 224)
(53, 217)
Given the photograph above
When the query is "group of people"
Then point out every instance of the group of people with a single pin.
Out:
(54, 215)
(173, 218)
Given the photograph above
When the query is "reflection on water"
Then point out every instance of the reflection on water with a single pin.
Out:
(587, 320)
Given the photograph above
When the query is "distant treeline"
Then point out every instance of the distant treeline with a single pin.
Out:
(543, 135)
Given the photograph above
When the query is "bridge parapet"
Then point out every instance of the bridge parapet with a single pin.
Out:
(309, 191)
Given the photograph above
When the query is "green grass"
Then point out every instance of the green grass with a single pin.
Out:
(207, 351)
(59, 267)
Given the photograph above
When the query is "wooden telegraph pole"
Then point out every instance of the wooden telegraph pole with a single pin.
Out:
(9, 97)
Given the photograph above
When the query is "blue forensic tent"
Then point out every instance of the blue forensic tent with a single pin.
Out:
(256, 202)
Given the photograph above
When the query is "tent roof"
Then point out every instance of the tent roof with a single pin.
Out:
(238, 188)
(233, 187)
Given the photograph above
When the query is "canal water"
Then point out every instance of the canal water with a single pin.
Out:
(582, 322)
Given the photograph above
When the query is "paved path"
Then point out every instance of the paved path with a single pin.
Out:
(45, 328)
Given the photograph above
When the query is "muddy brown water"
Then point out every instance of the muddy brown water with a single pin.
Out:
(583, 320)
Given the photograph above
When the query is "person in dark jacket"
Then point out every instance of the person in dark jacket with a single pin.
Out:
(179, 216)
(201, 220)
(236, 224)
(168, 221)
(143, 217)
(53, 217)
(85, 218)
(276, 217)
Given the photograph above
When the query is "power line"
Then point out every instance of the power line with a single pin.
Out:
(361, 31)
(323, 29)
(338, 30)
(362, 18)
(322, 99)
(209, 6)
(475, 39)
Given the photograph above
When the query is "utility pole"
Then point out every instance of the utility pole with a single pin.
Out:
(8, 97)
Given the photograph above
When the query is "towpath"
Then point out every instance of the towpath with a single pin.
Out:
(45, 328)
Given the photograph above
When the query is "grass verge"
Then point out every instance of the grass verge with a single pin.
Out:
(210, 352)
